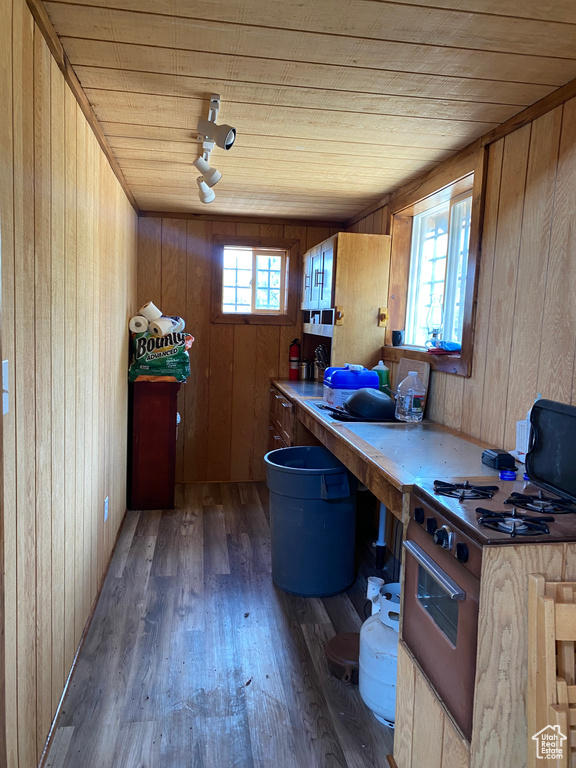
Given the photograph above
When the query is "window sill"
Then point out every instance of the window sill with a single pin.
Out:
(447, 363)
(252, 319)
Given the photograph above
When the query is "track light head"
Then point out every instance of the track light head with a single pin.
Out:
(210, 175)
(223, 135)
(205, 194)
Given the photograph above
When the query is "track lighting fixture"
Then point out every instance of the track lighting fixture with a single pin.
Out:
(210, 134)
(222, 135)
(205, 193)
(210, 175)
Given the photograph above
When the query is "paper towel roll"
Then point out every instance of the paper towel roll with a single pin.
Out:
(150, 312)
(138, 324)
(179, 323)
(162, 326)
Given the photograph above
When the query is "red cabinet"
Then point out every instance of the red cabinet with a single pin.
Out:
(152, 432)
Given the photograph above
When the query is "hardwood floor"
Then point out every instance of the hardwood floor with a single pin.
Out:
(194, 659)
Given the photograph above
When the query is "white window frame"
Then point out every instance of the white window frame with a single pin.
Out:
(449, 298)
(256, 252)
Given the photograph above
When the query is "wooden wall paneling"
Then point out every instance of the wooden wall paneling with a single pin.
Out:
(499, 730)
(56, 250)
(266, 367)
(149, 262)
(80, 609)
(529, 307)
(475, 387)
(58, 351)
(104, 305)
(405, 708)
(91, 368)
(221, 368)
(399, 271)
(174, 286)
(289, 332)
(436, 399)
(379, 222)
(222, 341)
(194, 425)
(427, 733)
(71, 367)
(569, 569)
(455, 751)
(453, 396)
(271, 230)
(496, 375)
(243, 386)
(8, 659)
(315, 235)
(247, 229)
(43, 403)
(556, 368)
(24, 394)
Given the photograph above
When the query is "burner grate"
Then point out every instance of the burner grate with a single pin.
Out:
(513, 522)
(538, 502)
(464, 491)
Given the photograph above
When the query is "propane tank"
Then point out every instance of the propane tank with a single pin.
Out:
(294, 360)
(379, 654)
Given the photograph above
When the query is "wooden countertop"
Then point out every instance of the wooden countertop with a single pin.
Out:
(389, 458)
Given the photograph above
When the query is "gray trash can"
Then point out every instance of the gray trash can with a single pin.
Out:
(312, 521)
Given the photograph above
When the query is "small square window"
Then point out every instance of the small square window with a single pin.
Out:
(255, 280)
(252, 280)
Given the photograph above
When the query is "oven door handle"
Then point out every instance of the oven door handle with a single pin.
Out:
(435, 571)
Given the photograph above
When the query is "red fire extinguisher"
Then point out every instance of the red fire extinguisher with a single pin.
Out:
(294, 359)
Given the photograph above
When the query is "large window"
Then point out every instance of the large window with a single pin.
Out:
(253, 280)
(435, 230)
(438, 267)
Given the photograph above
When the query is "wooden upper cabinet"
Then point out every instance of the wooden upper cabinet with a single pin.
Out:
(345, 284)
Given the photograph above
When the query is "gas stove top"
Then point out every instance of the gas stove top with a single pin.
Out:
(503, 512)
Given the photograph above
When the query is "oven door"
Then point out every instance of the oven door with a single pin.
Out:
(440, 622)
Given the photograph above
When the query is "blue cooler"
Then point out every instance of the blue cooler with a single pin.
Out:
(339, 383)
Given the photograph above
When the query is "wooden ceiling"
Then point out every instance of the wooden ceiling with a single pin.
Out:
(335, 103)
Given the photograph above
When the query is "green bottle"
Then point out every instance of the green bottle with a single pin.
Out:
(384, 375)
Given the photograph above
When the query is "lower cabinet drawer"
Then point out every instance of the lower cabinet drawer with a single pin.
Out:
(274, 439)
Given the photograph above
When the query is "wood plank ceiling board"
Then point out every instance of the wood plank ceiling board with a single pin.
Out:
(335, 106)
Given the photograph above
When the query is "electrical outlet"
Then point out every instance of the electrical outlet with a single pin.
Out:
(106, 509)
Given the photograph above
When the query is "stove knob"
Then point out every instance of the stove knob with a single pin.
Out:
(462, 552)
(419, 515)
(444, 537)
(431, 525)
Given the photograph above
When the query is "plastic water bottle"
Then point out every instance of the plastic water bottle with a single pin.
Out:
(410, 398)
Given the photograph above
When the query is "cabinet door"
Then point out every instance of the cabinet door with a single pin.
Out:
(327, 275)
(153, 445)
(307, 281)
(316, 258)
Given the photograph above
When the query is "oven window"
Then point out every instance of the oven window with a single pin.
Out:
(438, 604)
